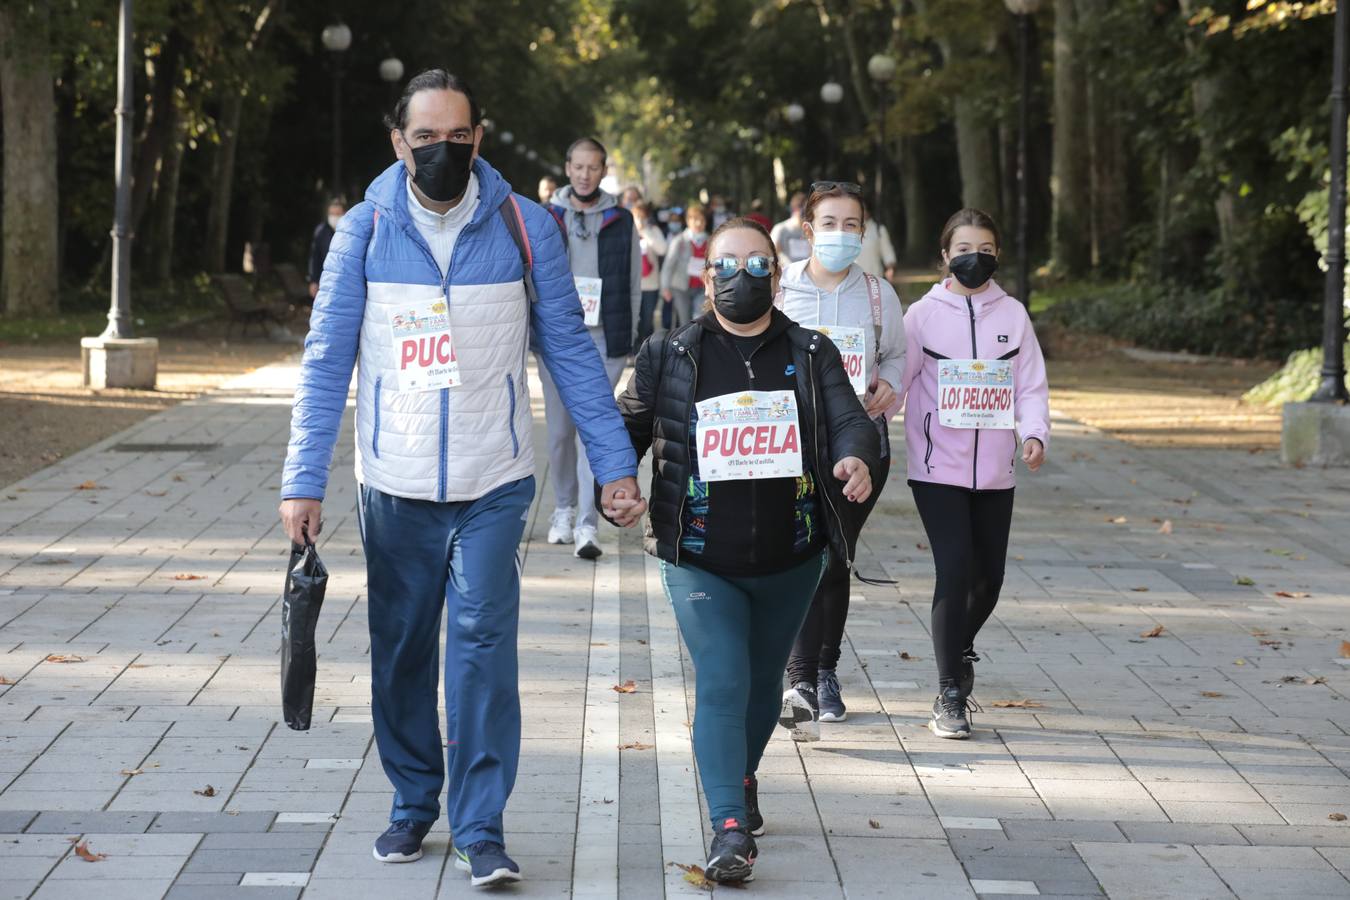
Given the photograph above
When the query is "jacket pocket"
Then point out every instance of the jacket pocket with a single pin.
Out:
(511, 394)
(928, 440)
(375, 436)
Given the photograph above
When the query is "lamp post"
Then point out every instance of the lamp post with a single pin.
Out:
(391, 73)
(336, 39)
(1332, 386)
(119, 311)
(832, 92)
(881, 69)
(1023, 10)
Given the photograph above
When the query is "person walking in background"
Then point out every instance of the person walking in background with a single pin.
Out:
(682, 271)
(319, 243)
(631, 196)
(653, 248)
(548, 186)
(788, 237)
(975, 398)
(756, 214)
(444, 460)
(605, 251)
(742, 542)
(862, 315)
(878, 254)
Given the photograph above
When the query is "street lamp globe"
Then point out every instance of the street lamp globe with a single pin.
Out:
(336, 38)
(391, 69)
(1022, 7)
(832, 92)
(507, 137)
(532, 155)
(881, 68)
(794, 112)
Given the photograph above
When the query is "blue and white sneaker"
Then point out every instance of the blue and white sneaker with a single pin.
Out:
(487, 864)
(832, 707)
(401, 841)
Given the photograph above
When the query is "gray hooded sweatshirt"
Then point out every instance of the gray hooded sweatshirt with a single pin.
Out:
(583, 245)
(849, 305)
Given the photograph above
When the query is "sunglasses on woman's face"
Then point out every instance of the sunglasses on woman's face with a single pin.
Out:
(847, 187)
(759, 265)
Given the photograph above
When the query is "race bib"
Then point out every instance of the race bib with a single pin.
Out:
(423, 346)
(694, 268)
(975, 393)
(798, 248)
(588, 289)
(753, 434)
(852, 344)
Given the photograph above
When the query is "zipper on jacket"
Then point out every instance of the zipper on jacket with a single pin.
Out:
(820, 479)
(511, 391)
(445, 392)
(684, 488)
(375, 438)
(928, 437)
(974, 354)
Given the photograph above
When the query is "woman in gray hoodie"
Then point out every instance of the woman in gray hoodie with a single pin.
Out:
(829, 291)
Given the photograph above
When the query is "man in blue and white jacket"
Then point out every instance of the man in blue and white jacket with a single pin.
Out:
(427, 283)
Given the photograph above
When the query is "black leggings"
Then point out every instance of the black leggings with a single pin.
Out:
(968, 531)
(822, 634)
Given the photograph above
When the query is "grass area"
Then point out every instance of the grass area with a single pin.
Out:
(75, 325)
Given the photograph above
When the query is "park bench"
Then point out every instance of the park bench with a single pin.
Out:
(294, 288)
(243, 306)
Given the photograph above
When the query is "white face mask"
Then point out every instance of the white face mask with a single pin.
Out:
(333, 222)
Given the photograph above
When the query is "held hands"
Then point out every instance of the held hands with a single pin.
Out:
(622, 502)
(1033, 453)
(301, 517)
(880, 396)
(853, 471)
(667, 295)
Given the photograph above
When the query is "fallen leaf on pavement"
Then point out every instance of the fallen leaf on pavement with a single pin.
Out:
(1279, 551)
(873, 823)
(178, 478)
(1243, 580)
(89, 486)
(1118, 520)
(155, 493)
(636, 745)
(1155, 631)
(904, 654)
(1314, 680)
(64, 658)
(1165, 527)
(1292, 595)
(628, 687)
(1345, 649)
(1337, 817)
(1257, 632)
(1239, 662)
(132, 772)
(1139, 590)
(921, 546)
(4, 680)
(188, 576)
(694, 875)
(83, 852)
(1210, 694)
(208, 791)
(1272, 643)
(1018, 704)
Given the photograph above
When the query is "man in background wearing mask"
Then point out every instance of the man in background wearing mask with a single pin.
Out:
(605, 250)
(318, 245)
(427, 282)
(548, 186)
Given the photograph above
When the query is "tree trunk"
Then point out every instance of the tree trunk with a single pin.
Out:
(919, 243)
(1108, 176)
(161, 127)
(1070, 229)
(164, 214)
(976, 156)
(30, 272)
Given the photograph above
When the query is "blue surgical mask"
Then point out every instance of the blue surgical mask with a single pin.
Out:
(836, 250)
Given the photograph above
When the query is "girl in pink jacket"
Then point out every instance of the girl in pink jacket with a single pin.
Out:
(975, 398)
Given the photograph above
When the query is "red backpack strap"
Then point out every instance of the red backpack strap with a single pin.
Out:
(515, 225)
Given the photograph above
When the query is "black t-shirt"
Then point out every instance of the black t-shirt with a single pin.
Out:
(752, 526)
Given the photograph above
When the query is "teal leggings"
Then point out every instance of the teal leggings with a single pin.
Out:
(739, 632)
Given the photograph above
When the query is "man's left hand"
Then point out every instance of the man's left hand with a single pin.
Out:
(622, 502)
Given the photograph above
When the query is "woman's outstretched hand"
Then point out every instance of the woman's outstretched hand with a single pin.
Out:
(858, 481)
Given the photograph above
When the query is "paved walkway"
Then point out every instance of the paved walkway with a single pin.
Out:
(1167, 710)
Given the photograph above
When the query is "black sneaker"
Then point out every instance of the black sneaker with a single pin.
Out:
(487, 864)
(832, 707)
(401, 841)
(732, 857)
(968, 661)
(949, 715)
(754, 822)
(801, 712)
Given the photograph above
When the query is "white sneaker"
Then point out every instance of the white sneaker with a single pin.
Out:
(801, 714)
(588, 545)
(560, 525)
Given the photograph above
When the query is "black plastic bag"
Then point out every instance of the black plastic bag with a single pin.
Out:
(306, 581)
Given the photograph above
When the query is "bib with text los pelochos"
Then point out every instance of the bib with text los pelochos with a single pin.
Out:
(975, 393)
(751, 434)
(588, 289)
(423, 346)
(852, 344)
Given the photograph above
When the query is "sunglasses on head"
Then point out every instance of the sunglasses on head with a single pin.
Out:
(847, 187)
(759, 265)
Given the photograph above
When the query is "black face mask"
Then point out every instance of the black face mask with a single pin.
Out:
(743, 298)
(586, 198)
(973, 269)
(443, 169)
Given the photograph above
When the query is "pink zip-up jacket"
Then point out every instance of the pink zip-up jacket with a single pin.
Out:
(988, 325)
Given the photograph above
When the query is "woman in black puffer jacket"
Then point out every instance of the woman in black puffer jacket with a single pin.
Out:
(761, 455)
